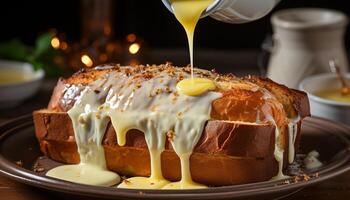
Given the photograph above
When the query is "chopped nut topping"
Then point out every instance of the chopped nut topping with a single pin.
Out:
(127, 71)
(170, 134)
(81, 119)
(98, 115)
(168, 90)
(174, 99)
(180, 77)
(187, 69)
(126, 181)
(179, 115)
(19, 163)
(171, 72)
(153, 108)
(159, 91)
(39, 169)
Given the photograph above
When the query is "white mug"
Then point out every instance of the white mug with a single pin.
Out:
(235, 11)
(305, 40)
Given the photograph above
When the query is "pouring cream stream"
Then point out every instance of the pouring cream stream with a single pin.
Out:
(188, 13)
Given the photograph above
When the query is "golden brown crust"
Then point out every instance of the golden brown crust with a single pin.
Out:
(229, 151)
(240, 101)
(57, 94)
(295, 102)
(226, 154)
(218, 137)
(216, 170)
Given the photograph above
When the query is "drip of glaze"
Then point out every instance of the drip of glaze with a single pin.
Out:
(156, 117)
(292, 134)
(278, 151)
(186, 181)
(155, 181)
(89, 127)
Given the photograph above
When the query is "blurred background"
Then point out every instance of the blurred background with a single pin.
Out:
(153, 25)
(149, 20)
(58, 37)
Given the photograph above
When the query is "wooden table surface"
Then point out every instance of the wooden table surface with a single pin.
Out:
(337, 188)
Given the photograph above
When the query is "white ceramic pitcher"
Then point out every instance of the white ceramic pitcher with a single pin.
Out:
(304, 42)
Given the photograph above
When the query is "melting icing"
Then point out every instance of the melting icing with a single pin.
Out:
(278, 151)
(143, 100)
(292, 134)
(311, 161)
(89, 127)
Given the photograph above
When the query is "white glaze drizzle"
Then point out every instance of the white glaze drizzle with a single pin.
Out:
(311, 161)
(89, 127)
(149, 105)
(278, 150)
(153, 107)
(292, 134)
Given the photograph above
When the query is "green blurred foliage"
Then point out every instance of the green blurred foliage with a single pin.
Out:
(41, 56)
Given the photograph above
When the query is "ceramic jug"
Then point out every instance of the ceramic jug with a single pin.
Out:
(235, 11)
(304, 41)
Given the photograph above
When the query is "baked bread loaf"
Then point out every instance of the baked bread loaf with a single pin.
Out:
(237, 145)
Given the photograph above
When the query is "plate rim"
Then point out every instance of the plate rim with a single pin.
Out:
(25, 176)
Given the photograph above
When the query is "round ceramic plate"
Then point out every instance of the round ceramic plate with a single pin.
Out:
(19, 151)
